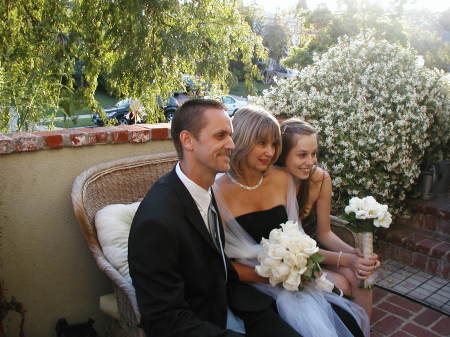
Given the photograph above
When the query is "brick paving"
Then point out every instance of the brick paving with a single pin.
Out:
(412, 297)
(424, 314)
(397, 316)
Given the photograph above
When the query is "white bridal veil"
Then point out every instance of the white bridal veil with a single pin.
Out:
(308, 311)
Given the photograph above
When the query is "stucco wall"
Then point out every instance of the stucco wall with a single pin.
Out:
(44, 261)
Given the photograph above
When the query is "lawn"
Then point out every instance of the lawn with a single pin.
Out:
(240, 90)
(76, 123)
(103, 98)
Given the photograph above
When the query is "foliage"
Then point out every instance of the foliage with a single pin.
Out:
(141, 47)
(420, 29)
(239, 89)
(276, 39)
(378, 113)
(426, 32)
(444, 19)
(72, 122)
(277, 32)
(254, 16)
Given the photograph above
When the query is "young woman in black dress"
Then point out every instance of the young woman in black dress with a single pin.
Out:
(345, 265)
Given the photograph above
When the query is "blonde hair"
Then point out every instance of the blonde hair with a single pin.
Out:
(250, 125)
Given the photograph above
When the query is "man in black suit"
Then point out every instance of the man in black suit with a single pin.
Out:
(185, 286)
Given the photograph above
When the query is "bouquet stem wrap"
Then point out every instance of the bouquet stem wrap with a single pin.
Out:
(364, 241)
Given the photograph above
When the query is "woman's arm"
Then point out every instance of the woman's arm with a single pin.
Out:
(323, 207)
(248, 274)
(340, 254)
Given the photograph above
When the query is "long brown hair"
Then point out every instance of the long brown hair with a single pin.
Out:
(289, 129)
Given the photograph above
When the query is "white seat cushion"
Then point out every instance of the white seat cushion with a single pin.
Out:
(113, 224)
(108, 304)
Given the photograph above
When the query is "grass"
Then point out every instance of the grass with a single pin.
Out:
(76, 123)
(101, 97)
(240, 90)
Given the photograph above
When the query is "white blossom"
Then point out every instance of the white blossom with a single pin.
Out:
(377, 112)
(367, 209)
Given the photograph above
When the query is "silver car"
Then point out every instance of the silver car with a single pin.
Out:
(233, 103)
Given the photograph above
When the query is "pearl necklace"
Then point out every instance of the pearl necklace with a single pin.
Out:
(245, 187)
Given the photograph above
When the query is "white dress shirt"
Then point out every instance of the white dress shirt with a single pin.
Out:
(202, 199)
(201, 196)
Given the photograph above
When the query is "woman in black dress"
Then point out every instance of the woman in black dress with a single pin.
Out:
(345, 265)
(254, 197)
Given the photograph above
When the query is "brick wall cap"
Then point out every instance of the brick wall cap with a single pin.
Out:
(84, 136)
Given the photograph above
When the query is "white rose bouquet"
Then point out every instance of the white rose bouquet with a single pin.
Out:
(291, 257)
(364, 216)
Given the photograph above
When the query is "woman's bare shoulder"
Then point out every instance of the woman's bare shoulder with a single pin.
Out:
(279, 174)
(319, 175)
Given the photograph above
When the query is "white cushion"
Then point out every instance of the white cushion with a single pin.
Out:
(113, 224)
(108, 304)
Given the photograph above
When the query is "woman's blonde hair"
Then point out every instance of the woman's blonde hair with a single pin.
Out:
(252, 124)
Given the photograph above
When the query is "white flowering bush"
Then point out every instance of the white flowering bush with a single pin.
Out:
(378, 112)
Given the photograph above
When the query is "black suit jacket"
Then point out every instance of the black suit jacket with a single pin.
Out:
(178, 274)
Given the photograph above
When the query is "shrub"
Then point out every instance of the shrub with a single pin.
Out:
(379, 114)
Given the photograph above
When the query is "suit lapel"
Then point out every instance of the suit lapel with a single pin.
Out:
(191, 210)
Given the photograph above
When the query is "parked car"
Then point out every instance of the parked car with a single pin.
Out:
(233, 103)
(118, 111)
(174, 101)
(286, 73)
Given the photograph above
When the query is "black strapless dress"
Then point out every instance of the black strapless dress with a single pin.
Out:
(259, 224)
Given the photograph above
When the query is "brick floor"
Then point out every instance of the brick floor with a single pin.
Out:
(396, 315)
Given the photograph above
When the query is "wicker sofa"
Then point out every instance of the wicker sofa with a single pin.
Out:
(126, 181)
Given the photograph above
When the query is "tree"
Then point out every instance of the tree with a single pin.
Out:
(322, 28)
(444, 20)
(141, 47)
(429, 34)
(423, 30)
(253, 14)
(276, 38)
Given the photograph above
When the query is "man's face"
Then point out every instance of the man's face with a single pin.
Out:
(213, 145)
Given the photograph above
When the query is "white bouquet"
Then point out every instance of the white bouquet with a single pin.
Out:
(291, 257)
(364, 215)
(367, 209)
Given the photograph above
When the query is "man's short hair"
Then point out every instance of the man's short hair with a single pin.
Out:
(189, 117)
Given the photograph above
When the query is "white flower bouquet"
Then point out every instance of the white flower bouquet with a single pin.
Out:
(291, 257)
(364, 216)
